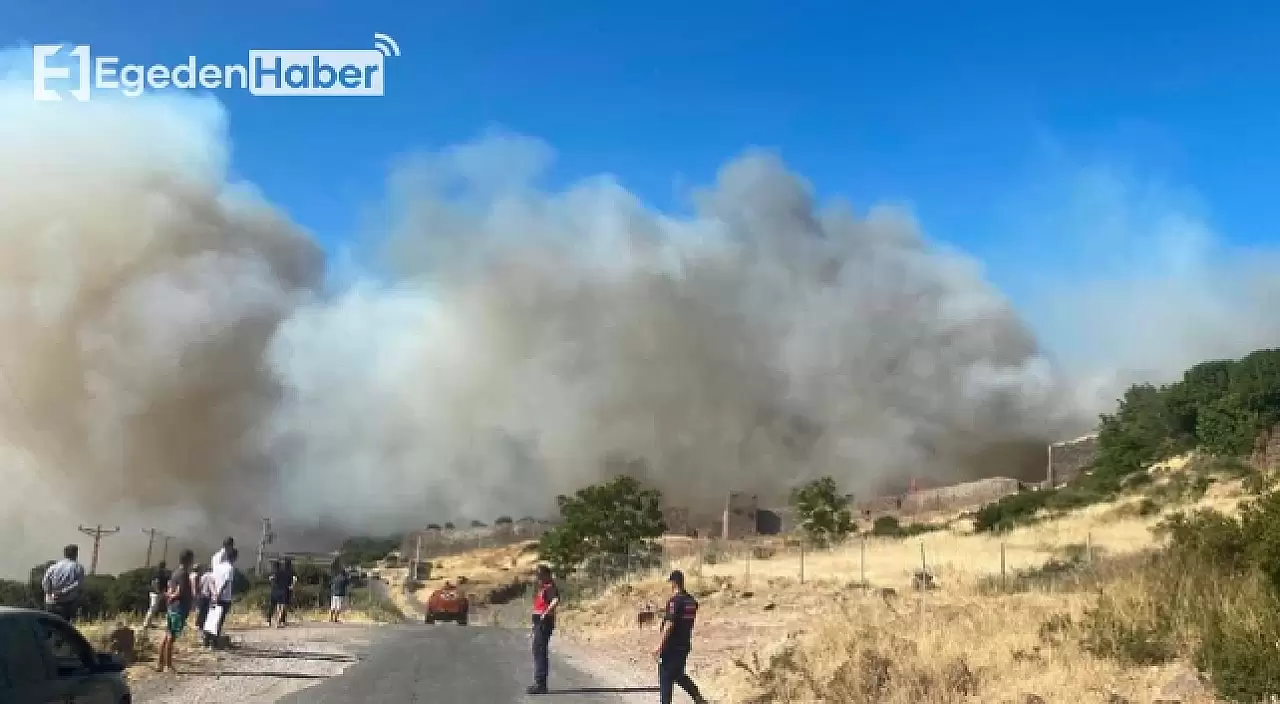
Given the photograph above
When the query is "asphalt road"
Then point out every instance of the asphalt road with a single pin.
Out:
(451, 664)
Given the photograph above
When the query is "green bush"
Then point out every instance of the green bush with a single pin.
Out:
(1012, 510)
(890, 527)
(1211, 595)
(886, 526)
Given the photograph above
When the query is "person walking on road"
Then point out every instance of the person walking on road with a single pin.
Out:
(204, 599)
(155, 595)
(63, 584)
(289, 581)
(339, 582)
(178, 600)
(224, 577)
(677, 640)
(545, 601)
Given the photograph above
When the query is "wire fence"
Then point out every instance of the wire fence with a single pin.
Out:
(919, 562)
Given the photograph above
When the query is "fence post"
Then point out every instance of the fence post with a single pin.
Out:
(862, 563)
(1088, 548)
(1002, 571)
(924, 567)
(802, 560)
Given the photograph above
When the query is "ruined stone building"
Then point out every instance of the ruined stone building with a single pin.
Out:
(1068, 458)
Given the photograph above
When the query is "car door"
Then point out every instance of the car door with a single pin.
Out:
(25, 675)
(73, 660)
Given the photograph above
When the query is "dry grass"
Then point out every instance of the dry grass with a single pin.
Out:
(764, 637)
(474, 572)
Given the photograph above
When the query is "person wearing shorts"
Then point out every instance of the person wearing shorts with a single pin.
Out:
(180, 598)
(338, 585)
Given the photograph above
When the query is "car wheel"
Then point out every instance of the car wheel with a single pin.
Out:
(431, 618)
(462, 619)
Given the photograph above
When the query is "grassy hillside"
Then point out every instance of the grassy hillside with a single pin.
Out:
(1156, 574)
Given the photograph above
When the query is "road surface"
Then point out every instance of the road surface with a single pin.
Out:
(451, 664)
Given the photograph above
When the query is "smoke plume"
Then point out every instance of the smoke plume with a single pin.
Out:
(170, 359)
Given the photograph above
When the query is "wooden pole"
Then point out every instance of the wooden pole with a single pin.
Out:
(802, 560)
(862, 563)
(96, 533)
(1002, 571)
(924, 567)
(151, 540)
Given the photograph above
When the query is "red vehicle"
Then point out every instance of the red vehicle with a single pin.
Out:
(448, 604)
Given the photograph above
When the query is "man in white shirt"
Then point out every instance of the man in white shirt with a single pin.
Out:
(220, 555)
(223, 578)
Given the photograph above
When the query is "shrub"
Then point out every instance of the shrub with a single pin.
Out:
(1211, 595)
(1012, 510)
(886, 526)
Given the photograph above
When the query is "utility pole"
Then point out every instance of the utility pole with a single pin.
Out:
(151, 539)
(164, 552)
(267, 538)
(97, 533)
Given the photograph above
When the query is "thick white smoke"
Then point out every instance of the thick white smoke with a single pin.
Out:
(168, 359)
(758, 342)
(138, 291)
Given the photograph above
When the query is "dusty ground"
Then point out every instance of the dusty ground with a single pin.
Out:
(265, 665)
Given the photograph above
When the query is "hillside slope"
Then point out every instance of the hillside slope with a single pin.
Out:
(763, 636)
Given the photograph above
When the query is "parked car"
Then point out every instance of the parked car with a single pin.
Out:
(448, 604)
(45, 660)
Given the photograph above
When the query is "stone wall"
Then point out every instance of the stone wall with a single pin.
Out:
(959, 497)
(875, 507)
(681, 520)
(1067, 459)
(1266, 451)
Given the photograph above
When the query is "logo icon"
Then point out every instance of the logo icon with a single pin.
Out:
(385, 44)
(43, 73)
(269, 72)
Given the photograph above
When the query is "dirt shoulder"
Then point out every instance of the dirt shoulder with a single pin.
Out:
(264, 665)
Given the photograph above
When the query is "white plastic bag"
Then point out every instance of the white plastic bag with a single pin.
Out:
(211, 621)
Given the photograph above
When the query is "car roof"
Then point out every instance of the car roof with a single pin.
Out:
(18, 611)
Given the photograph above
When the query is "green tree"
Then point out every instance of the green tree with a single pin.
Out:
(824, 514)
(619, 517)
(366, 550)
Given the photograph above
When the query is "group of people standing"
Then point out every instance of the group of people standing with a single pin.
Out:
(188, 588)
(193, 588)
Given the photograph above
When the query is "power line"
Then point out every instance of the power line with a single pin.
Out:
(97, 534)
(151, 539)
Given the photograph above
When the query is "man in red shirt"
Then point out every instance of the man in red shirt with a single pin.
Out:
(545, 601)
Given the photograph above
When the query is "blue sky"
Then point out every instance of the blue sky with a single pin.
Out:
(962, 113)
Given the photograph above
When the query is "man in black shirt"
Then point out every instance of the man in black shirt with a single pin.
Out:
(677, 641)
(179, 597)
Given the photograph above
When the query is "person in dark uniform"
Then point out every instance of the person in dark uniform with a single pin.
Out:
(677, 640)
(545, 601)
